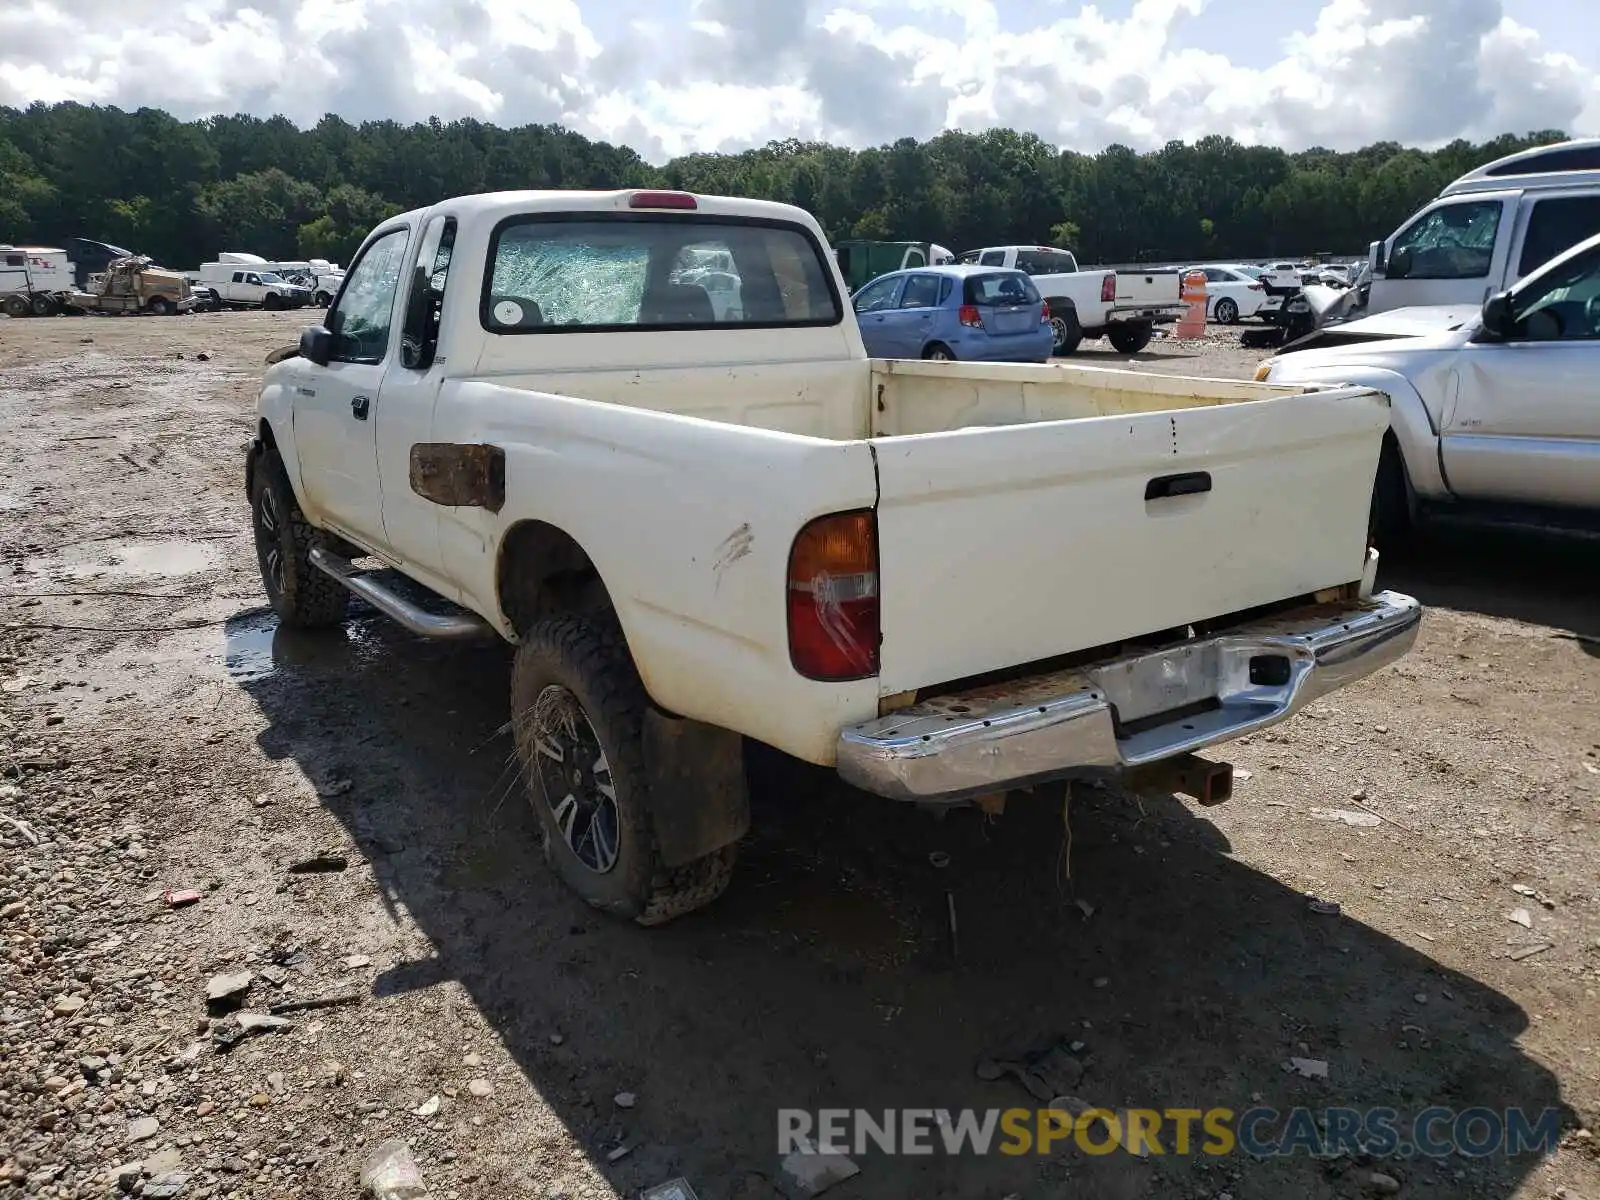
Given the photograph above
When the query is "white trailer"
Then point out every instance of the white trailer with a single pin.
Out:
(33, 280)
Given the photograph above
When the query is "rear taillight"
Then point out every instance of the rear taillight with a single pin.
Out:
(833, 597)
(1044, 313)
(1256, 287)
(971, 317)
(1108, 288)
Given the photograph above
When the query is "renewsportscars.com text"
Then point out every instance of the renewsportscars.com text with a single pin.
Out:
(1435, 1132)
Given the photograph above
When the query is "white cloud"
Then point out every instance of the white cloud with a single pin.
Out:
(723, 74)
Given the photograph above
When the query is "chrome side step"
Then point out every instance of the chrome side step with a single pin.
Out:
(463, 626)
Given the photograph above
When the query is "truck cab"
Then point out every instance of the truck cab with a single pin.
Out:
(1490, 228)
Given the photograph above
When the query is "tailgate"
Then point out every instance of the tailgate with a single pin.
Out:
(1153, 288)
(1003, 546)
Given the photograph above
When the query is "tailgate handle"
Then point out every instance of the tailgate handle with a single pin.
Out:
(1189, 483)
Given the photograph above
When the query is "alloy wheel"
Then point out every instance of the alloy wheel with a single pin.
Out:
(575, 778)
(268, 542)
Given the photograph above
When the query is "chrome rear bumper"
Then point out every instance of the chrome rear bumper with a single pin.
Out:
(1126, 712)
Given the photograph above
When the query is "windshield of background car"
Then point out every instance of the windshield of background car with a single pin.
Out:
(553, 274)
(1010, 287)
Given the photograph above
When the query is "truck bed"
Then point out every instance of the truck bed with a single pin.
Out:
(852, 399)
(1023, 512)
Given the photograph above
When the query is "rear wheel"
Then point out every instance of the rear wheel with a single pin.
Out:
(1068, 334)
(577, 714)
(42, 306)
(1227, 311)
(159, 306)
(18, 306)
(1130, 339)
(939, 352)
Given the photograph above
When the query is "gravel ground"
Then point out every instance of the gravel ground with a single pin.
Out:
(159, 734)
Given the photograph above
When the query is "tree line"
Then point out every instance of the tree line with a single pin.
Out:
(183, 191)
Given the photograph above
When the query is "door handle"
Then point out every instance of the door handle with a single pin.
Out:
(1190, 483)
(359, 406)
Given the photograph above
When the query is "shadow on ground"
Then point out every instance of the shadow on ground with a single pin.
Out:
(1543, 580)
(828, 975)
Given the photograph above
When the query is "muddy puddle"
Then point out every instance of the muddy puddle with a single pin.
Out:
(257, 647)
(130, 558)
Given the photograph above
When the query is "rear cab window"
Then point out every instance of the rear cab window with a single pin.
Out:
(998, 289)
(1046, 262)
(599, 272)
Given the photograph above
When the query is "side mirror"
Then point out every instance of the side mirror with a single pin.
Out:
(1498, 320)
(316, 345)
(1400, 264)
(1378, 256)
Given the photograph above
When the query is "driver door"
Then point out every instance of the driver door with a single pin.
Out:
(1453, 253)
(873, 304)
(1525, 427)
(336, 406)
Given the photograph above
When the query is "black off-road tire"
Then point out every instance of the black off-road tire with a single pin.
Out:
(1130, 339)
(1068, 333)
(590, 662)
(1389, 521)
(17, 306)
(42, 306)
(302, 596)
(271, 302)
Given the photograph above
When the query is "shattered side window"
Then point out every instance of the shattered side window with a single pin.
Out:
(1454, 241)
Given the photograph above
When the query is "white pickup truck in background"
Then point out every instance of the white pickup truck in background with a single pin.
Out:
(523, 418)
(1496, 413)
(240, 285)
(1122, 306)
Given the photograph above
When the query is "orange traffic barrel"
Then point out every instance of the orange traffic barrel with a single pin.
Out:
(1193, 323)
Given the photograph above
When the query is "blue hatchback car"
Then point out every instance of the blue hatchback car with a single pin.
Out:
(973, 314)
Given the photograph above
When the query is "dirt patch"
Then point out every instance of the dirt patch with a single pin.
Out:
(159, 733)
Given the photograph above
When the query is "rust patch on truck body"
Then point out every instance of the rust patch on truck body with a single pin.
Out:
(459, 476)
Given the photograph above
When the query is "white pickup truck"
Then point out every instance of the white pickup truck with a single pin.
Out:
(945, 580)
(1494, 411)
(243, 286)
(1122, 306)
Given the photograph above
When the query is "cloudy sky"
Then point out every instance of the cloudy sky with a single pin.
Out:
(669, 76)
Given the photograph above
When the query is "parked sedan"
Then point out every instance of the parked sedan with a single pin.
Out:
(1231, 293)
(976, 314)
